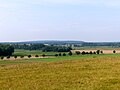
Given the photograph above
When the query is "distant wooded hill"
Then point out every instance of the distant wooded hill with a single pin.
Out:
(76, 43)
(48, 42)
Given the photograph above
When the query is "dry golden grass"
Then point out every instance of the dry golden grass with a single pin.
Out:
(85, 74)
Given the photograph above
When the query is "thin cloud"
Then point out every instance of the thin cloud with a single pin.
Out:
(7, 5)
(55, 2)
(78, 2)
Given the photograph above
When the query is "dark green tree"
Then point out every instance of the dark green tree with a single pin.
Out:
(114, 51)
(91, 52)
(101, 52)
(64, 54)
(15, 57)
(36, 56)
(21, 56)
(6, 50)
(77, 52)
(70, 53)
(83, 52)
(98, 51)
(2, 57)
(29, 56)
(56, 55)
(60, 54)
(8, 57)
(94, 52)
(43, 55)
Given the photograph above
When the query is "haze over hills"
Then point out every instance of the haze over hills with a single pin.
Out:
(70, 42)
(46, 42)
(53, 41)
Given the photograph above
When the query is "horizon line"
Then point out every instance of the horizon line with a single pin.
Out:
(58, 40)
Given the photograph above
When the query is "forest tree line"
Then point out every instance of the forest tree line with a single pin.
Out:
(42, 47)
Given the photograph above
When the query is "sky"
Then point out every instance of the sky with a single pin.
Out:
(81, 20)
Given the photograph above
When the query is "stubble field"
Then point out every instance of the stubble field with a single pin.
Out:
(94, 50)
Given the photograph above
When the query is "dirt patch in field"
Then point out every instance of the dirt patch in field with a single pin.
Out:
(104, 51)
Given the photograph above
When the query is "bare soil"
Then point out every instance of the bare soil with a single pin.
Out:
(104, 51)
(26, 57)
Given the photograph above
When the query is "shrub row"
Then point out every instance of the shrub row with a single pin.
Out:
(63, 54)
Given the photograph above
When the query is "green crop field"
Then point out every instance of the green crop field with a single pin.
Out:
(33, 52)
(84, 72)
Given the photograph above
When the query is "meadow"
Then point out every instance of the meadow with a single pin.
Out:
(78, 72)
(33, 52)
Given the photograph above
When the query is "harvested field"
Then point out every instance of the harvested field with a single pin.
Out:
(104, 51)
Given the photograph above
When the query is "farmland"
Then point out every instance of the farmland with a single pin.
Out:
(78, 72)
(59, 45)
(33, 52)
(104, 51)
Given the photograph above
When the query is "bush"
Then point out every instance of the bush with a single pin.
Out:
(98, 51)
(15, 57)
(29, 56)
(94, 52)
(8, 57)
(114, 51)
(86, 52)
(36, 56)
(83, 53)
(70, 53)
(91, 52)
(2, 57)
(21, 56)
(56, 55)
(60, 54)
(43, 55)
(64, 54)
(77, 52)
(101, 52)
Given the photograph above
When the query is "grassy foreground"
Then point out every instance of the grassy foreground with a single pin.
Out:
(85, 73)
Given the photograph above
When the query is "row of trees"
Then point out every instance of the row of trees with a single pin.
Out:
(91, 52)
(29, 56)
(6, 50)
(61, 54)
(28, 46)
(82, 53)
(95, 52)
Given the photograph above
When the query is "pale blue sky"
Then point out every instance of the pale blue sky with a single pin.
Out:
(86, 20)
